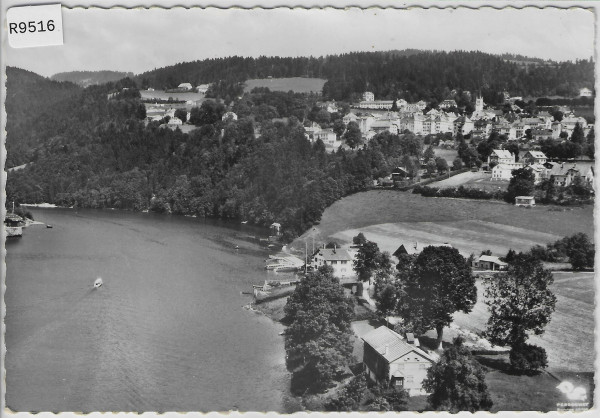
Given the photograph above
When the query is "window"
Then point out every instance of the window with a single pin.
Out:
(409, 379)
(334, 262)
(399, 382)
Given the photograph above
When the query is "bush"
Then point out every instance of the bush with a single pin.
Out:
(458, 192)
(388, 399)
(527, 358)
(23, 213)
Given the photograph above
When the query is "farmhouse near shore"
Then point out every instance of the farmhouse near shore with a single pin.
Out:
(388, 358)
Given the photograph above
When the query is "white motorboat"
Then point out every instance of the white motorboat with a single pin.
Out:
(98, 283)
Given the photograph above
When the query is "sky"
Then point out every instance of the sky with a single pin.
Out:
(139, 40)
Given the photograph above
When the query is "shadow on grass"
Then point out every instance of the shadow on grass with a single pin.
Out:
(303, 383)
(500, 363)
(430, 343)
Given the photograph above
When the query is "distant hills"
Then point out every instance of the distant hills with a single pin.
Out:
(409, 74)
(89, 78)
(32, 104)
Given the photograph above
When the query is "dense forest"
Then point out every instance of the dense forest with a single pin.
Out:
(98, 152)
(88, 78)
(411, 74)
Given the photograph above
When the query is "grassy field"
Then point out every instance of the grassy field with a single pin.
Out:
(569, 337)
(448, 154)
(468, 236)
(476, 180)
(376, 207)
(296, 84)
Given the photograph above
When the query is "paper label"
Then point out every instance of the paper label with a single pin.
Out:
(31, 26)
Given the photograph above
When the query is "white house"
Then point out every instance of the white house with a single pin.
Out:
(185, 86)
(503, 172)
(446, 104)
(585, 92)
(340, 260)
(501, 156)
(368, 96)
(202, 88)
(174, 121)
(535, 157)
(229, 116)
(376, 104)
(489, 262)
(350, 117)
(329, 138)
(526, 201)
(385, 125)
(390, 359)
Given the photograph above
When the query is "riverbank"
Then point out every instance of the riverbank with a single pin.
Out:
(272, 309)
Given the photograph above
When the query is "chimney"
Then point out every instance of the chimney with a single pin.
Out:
(385, 350)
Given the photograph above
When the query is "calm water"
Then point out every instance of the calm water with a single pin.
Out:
(167, 331)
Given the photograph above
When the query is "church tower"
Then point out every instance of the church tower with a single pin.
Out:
(479, 104)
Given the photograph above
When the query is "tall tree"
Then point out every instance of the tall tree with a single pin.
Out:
(580, 251)
(441, 165)
(519, 302)
(439, 283)
(457, 164)
(522, 183)
(429, 153)
(456, 382)
(353, 136)
(591, 147)
(317, 340)
(181, 114)
(578, 136)
(369, 260)
(513, 148)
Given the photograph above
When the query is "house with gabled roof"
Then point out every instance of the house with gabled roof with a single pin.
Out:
(392, 360)
(535, 157)
(339, 259)
(489, 262)
(501, 156)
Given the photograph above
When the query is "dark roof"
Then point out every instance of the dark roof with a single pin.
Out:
(401, 250)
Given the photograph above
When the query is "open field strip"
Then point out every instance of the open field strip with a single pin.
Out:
(469, 237)
(390, 206)
(296, 84)
(461, 179)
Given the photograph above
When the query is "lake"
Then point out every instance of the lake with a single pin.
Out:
(168, 331)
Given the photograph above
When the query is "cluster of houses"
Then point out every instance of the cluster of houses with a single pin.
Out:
(388, 357)
(502, 163)
(481, 123)
(330, 139)
(158, 112)
(187, 87)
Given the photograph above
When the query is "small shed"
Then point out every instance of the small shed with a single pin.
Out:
(489, 262)
(275, 228)
(526, 201)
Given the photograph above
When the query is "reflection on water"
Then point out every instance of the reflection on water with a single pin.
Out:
(166, 331)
